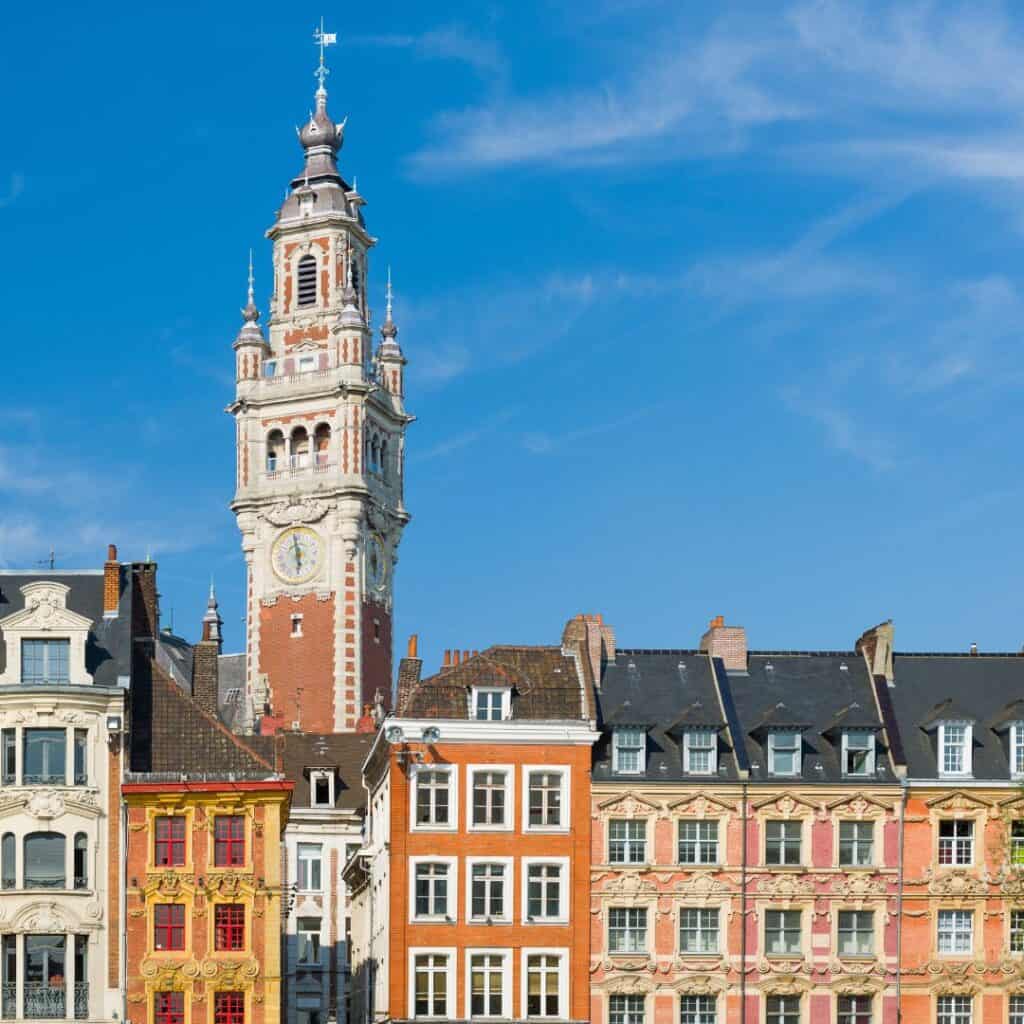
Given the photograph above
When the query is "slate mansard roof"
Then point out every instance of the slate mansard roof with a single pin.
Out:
(342, 753)
(670, 692)
(980, 689)
(109, 645)
(817, 694)
(545, 685)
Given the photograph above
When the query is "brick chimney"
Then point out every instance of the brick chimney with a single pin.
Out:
(365, 722)
(876, 645)
(409, 669)
(145, 601)
(726, 642)
(111, 582)
(595, 640)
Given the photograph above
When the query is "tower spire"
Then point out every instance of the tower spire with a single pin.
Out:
(388, 329)
(321, 138)
(323, 40)
(250, 314)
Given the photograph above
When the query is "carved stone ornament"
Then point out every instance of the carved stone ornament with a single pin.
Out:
(45, 805)
(957, 883)
(784, 985)
(700, 985)
(787, 806)
(628, 806)
(858, 886)
(296, 510)
(700, 806)
(627, 985)
(785, 886)
(49, 918)
(860, 806)
(958, 802)
(856, 987)
(701, 886)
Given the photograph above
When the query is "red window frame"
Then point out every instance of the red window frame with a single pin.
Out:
(168, 926)
(229, 1008)
(229, 926)
(169, 1007)
(169, 842)
(228, 840)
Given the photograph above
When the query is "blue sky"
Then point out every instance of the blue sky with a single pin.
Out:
(709, 308)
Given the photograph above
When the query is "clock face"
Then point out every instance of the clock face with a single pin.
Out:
(297, 555)
(376, 562)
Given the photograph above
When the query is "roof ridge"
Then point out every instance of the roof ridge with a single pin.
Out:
(177, 690)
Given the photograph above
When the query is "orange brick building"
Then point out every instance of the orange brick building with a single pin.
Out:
(471, 896)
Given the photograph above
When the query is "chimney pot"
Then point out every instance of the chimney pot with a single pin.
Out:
(111, 552)
(726, 642)
(455, 656)
(413, 646)
(447, 659)
(111, 581)
(974, 649)
(465, 655)
(717, 622)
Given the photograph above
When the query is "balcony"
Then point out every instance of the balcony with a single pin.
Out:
(81, 1000)
(9, 1000)
(46, 1002)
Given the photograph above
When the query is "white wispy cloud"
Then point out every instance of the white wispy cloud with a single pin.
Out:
(842, 432)
(541, 443)
(447, 42)
(465, 438)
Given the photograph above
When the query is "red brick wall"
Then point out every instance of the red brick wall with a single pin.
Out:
(282, 656)
(376, 652)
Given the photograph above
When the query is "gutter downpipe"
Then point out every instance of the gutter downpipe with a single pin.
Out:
(743, 913)
(899, 904)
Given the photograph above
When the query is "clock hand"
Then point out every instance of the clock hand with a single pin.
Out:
(298, 551)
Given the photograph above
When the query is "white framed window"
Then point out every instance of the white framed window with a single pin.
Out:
(625, 1009)
(956, 931)
(955, 740)
(432, 983)
(700, 752)
(491, 704)
(698, 842)
(1017, 931)
(855, 931)
(629, 750)
(545, 890)
(296, 624)
(491, 797)
(546, 803)
(627, 841)
(307, 935)
(954, 1009)
(698, 930)
(784, 753)
(488, 983)
(545, 983)
(782, 841)
(698, 1010)
(956, 842)
(310, 864)
(856, 844)
(489, 889)
(627, 930)
(434, 797)
(853, 1010)
(1017, 749)
(782, 1010)
(858, 753)
(1016, 1009)
(432, 882)
(1017, 843)
(782, 932)
(321, 789)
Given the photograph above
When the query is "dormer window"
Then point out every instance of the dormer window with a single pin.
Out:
(491, 704)
(321, 788)
(629, 745)
(858, 753)
(700, 752)
(783, 753)
(955, 748)
(1017, 749)
(45, 661)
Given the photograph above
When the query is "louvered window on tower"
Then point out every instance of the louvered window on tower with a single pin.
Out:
(307, 281)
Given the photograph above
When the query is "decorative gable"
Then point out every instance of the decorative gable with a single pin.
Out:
(45, 616)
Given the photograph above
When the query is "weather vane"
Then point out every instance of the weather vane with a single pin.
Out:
(323, 40)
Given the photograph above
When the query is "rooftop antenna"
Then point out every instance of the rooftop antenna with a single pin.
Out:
(49, 563)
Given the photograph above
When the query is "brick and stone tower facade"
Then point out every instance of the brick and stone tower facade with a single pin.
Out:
(320, 436)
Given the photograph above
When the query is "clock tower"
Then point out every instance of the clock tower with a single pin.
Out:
(320, 440)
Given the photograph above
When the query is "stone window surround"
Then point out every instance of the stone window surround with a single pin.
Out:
(45, 617)
(506, 979)
(472, 770)
(508, 893)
